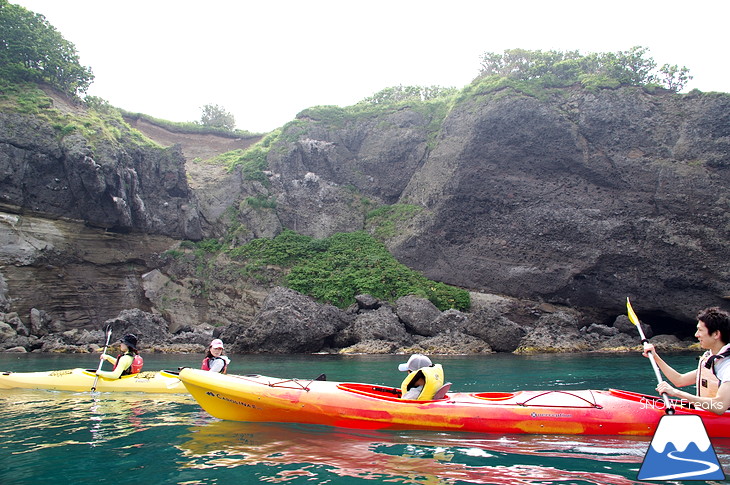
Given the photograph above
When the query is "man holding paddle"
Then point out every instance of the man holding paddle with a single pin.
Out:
(712, 376)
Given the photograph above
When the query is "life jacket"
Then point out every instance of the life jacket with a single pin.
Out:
(434, 377)
(707, 381)
(209, 360)
(135, 368)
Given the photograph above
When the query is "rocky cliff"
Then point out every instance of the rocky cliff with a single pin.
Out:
(578, 198)
(569, 197)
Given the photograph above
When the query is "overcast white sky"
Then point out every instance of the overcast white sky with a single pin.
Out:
(266, 60)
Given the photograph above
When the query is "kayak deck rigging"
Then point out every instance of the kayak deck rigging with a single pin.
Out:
(292, 383)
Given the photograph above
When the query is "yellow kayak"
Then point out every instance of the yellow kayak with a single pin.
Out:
(80, 380)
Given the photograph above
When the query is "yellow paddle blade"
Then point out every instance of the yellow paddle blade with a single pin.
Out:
(632, 316)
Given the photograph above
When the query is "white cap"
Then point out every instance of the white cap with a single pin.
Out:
(216, 344)
(415, 362)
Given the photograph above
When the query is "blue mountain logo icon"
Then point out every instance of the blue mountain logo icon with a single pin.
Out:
(681, 449)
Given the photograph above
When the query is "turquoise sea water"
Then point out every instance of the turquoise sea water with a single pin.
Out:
(65, 437)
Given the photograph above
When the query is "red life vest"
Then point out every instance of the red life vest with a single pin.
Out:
(135, 368)
(209, 360)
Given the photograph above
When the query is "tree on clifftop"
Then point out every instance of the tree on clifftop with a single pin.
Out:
(32, 50)
(217, 117)
(674, 77)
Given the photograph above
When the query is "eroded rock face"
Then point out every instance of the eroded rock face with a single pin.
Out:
(576, 200)
(491, 326)
(287, 323)
(418, 314)
(579, 199)
(580, 202)
(78, 276)
(140, 189)
(379, 324)
(557, 332)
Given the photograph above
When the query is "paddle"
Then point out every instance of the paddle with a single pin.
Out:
(101, 361)
(635, 320)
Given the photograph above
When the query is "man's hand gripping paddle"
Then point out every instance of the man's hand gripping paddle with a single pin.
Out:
(635, 320)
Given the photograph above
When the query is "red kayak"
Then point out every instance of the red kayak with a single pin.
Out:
(257, 398)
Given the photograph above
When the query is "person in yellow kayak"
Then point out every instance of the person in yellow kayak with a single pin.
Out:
(712, 376)
(214, 360)
(424, 378)
(128, 362)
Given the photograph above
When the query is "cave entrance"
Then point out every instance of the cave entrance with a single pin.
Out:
(662, 323)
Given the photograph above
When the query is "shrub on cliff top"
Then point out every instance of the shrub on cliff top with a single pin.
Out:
(604, 69)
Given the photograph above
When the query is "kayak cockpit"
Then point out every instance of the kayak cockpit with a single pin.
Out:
(148, 375)
(495, 396)
(389, 393)
(382, 392)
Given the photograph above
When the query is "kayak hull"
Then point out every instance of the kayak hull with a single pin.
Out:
(81, 380)
(256, 398)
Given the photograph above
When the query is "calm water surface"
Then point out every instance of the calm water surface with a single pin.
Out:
(65, 437)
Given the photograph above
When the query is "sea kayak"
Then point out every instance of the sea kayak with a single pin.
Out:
(257, 398)
(81, 380)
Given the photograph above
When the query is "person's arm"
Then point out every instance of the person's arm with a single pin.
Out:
(108, 358)
(217, 365)
(676, 378)
(718, 404)
(413, 393)
(123, 365)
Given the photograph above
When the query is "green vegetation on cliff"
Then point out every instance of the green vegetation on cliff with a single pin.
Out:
(384, 222)
(252, 161)
(594, 70)
(336, 269)
(187, 126)
(434, 101)
(94, 119)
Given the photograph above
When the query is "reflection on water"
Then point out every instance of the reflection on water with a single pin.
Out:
(80, 418)
(129, 431)
(82, 436)
(409, 457)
